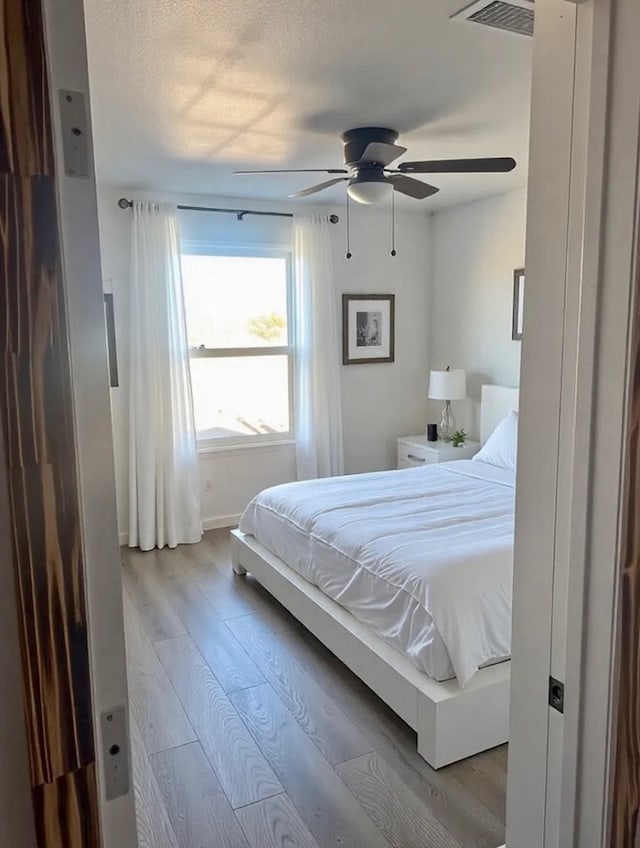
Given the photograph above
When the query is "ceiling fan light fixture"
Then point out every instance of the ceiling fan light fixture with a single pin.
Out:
(369, 191)
(368, 152)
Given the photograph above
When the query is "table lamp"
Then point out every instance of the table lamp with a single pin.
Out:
(447, 386)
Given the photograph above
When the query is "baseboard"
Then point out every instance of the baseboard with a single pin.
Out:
(214, 523)
(221, 521)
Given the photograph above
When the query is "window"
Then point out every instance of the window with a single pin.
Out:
(238, 322)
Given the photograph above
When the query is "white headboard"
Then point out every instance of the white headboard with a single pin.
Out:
(497, 401)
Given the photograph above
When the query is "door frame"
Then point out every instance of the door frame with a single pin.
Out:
(78, 223)
(595, 567)
(549, 196)
(558, 795)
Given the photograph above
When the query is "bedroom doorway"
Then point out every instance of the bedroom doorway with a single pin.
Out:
(546, 774)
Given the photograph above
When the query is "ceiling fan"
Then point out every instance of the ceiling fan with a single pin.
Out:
(368, 151)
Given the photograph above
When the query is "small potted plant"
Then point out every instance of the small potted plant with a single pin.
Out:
(458, 439)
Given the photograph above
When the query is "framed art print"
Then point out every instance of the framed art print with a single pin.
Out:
(368, 328)
(518, 305)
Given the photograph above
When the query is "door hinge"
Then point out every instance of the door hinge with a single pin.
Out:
(556, 694)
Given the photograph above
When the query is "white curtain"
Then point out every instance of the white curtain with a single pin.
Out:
(164, 489)
(318, 413)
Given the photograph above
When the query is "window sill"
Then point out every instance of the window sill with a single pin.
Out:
(211, 447)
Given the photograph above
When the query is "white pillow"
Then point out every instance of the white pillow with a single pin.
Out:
(502, 445)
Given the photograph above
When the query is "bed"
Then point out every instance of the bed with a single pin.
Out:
(429, 634)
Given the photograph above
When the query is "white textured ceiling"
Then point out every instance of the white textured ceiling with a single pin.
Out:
(184, 91)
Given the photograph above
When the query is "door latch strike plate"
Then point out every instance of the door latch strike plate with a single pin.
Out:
(75, 133)
(115, 752)
(556, 694)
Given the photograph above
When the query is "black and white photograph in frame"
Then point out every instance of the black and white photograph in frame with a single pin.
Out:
(368, 331)
(517, 319)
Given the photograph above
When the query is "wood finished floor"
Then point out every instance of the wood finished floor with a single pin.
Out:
(247, 733)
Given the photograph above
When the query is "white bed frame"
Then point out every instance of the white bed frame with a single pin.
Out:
(451, 723)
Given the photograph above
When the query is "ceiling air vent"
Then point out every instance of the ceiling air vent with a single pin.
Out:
(511, 15)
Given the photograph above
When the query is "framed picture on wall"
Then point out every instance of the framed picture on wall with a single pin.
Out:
(368, 328)
(518, 304)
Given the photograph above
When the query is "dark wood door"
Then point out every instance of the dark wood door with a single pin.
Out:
(37, 422)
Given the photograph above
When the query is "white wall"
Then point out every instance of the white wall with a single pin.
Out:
(476, 248)
(380, 402)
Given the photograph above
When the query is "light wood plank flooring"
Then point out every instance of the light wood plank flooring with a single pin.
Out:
(248, 733)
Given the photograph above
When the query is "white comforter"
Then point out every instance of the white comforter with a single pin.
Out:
(407, 552)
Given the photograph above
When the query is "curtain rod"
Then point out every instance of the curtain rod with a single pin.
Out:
(123, 203)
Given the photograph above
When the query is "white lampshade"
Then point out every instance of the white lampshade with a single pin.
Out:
(448, 385)
(369, 191)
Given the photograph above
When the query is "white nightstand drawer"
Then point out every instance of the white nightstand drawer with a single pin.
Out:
(412, 463)
(415, 451)
(409, 455)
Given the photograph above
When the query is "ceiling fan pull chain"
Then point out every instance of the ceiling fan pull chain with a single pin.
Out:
(348, 254)
(393, 223)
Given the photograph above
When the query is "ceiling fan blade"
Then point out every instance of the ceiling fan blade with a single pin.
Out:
(318, 187)
(297, 171)
(496, 165)
(411, 187)
(385, 154)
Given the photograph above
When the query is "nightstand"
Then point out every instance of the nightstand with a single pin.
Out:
(414, 451)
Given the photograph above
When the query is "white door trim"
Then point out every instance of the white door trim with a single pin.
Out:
(78, 221)
(576, 426)
(541, 413)
(594, 568)
(601, 216)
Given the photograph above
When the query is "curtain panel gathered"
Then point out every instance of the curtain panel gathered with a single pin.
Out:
(164, 490)
(318, 412)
